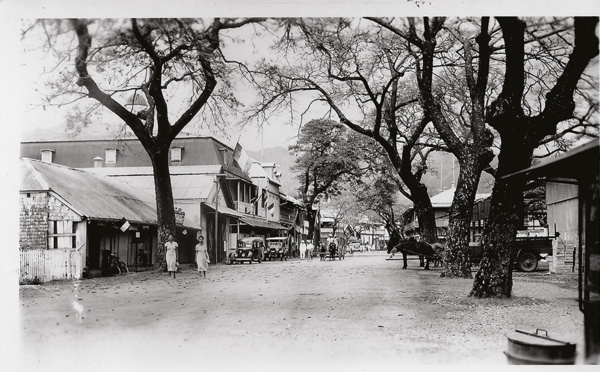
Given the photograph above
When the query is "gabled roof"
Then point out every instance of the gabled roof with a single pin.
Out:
(257, 170)
(444, 198)
(91, 196)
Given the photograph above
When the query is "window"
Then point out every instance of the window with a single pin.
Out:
(111, 156)
(176, 153)
(62, 234)
(47, 155)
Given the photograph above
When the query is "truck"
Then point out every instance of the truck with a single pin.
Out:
(529, 248)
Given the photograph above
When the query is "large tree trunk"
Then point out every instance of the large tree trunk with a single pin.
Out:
(520, 135)
(494, 278)
(457, 262)
(425, 214)
(311, 217)
(165, 207)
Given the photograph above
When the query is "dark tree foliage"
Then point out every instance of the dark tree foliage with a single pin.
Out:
(326, 156)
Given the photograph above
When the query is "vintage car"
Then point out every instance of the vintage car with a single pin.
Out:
(248, 250)
(355, 247)
(277, 248)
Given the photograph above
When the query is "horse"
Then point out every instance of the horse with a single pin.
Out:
(425, 251)
(332, 250)
(322, 251)
(342, 251)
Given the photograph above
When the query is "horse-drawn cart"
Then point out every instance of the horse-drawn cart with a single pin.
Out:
(332, 252)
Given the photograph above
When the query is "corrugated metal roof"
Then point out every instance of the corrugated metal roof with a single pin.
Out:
(30, 181)
(93, 196)
(566, 165)
(128, 171)
(259, 222)
(184, 185)
(225, 210)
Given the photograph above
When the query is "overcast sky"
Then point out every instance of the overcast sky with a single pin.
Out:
(19, 107)
(41, 121)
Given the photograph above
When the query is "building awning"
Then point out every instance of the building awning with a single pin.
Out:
(225, 210)
(258, 222)
(568, 165)
(188, 223)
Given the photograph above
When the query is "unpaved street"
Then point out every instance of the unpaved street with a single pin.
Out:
(363, 313)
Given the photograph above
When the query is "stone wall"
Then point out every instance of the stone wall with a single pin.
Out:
(36, 210)
(58, 211)
(33, 220)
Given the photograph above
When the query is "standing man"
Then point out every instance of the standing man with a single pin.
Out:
(302, 249)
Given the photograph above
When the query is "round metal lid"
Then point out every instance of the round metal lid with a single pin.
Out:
(533, 339)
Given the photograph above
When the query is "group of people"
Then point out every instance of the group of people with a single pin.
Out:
(306, 250)
(172, 256)
(202, 259)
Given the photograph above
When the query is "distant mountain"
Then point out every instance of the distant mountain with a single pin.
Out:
(282, 157)
(441, 174)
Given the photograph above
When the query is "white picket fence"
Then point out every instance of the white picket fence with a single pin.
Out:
(43, 265)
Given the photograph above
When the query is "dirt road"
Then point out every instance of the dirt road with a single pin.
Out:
(363, 313)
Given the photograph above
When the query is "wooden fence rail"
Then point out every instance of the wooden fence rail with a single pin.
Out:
(41, 265)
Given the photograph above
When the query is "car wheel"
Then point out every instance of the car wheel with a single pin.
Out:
(527, 262)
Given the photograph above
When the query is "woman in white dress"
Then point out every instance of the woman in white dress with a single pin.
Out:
(202, 259)
(171, 256)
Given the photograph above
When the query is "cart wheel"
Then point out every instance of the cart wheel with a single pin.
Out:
(527, 262)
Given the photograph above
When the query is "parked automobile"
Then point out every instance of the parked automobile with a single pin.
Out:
(527, 252)
(277, 248)
(355, 247)
(248, 250)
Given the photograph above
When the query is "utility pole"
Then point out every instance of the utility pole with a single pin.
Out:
(226, 165)
(217, 219)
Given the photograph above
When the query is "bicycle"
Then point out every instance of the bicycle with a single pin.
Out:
(117, 266)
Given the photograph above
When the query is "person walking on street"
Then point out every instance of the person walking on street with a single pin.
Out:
(202, 259)
(171, 256)
(309, 249)
(302, 249)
